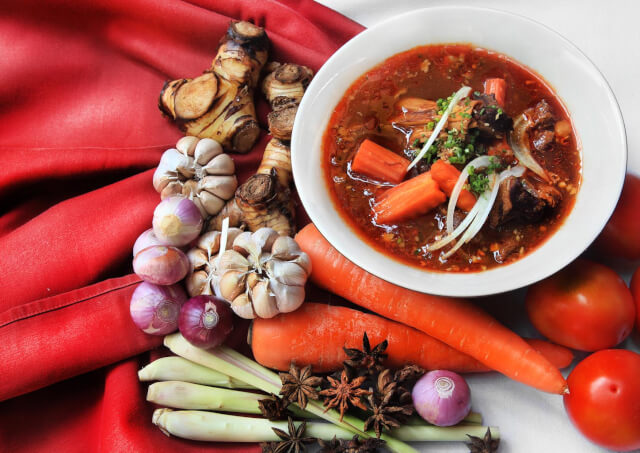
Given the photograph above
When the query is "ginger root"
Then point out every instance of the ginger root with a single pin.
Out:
(284, 87)
(219, 103)
(265, 199)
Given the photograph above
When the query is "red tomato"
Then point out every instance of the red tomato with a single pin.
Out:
(604, 399)
(620, 236)
(585, 306)
(635, 290)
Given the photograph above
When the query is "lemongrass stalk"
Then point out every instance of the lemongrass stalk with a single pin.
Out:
(181, 369)
(442, 434)
(185, 395)
(234, 364)
(473, 418)
(215, 427)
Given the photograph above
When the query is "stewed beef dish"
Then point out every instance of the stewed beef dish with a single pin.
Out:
(452, 158)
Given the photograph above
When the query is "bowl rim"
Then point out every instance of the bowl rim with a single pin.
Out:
(620, 131)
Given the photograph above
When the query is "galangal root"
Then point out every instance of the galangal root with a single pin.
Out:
(219, 103)
(265, 199)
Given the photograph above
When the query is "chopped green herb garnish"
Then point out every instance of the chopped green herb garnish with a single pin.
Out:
(431, 125)
(476, 93)
(479, 179)
(416, 142)
(499, 113)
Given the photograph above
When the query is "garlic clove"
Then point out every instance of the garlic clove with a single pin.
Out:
(198, 258)
(285, 248)
(304, 262)
(264, 238)
(288, 298)
(167, 167)
(232, 260)
(187, 145)
(189, 188)
(222, 186)
(244, 245)
(286, 272)
(209, 242)
(211, 204)
(200, 207)
(207, 149)
(221, 165)
(197, 284)
(232, 234)
(252, 280)
(232, 284)
(264, 302)
(242, 307)
(171, 189)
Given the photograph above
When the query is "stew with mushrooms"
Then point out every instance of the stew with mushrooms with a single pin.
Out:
(452, 158)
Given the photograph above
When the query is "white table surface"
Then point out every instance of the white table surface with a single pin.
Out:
(609, 34)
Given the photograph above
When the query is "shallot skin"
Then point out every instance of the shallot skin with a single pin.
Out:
(205, 321)
(146, 239)
(442, 397)
(161, 265)
(155, 309)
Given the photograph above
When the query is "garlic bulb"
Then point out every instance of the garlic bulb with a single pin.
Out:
(199, 170)
(203, 258)
(263, 274)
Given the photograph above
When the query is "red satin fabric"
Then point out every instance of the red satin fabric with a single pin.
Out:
(80, 133)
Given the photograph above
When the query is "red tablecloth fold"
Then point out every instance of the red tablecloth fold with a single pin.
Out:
(79, 135)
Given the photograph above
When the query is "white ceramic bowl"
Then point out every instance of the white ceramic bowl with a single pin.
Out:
(582, 88)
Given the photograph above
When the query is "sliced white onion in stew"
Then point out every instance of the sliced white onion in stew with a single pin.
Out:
(519, 139)
(478, 162)
(459, 229)
(486, 202)
(483, 202)
(460, 94)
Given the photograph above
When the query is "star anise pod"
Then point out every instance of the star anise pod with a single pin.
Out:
(357, 445)
(344, 392)
(299, 385)
(268, 447)
(484, 445)
(408, 374)
(367, 358)
(385, 383)
(385, 416)
(274, 408)
(391, 395)
(331, 446)
(293, 441)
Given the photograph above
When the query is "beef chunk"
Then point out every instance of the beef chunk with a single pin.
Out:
(541, 115)
(491, 122)
(523, 199)
(503, 207)
(506, 248)
(542, 139)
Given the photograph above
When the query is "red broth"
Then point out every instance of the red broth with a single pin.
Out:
(433, 72)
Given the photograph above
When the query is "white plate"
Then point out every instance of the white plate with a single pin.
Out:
(576, 80)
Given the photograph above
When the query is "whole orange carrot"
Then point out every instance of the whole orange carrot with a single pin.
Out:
(453, 321)
(316, 333)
